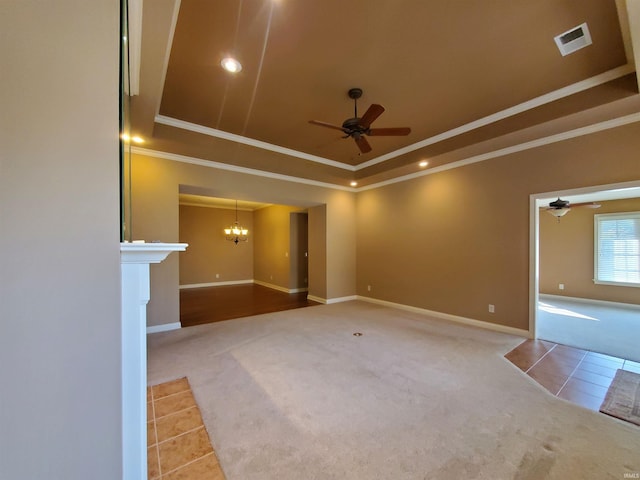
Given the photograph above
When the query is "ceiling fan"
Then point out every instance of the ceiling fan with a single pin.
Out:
(559, 207)
(358, 127)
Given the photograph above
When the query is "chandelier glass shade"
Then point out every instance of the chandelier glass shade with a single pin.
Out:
(236, 233)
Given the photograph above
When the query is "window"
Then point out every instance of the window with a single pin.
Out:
(617, 249)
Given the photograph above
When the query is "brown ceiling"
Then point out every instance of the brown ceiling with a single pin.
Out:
(434, 65)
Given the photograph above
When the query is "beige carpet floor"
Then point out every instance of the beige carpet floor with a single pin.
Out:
(295, 395)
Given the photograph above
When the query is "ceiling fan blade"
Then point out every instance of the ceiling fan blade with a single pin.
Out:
(373, 112)
(587, 205)
(363, 145)
(389, 131)
(328, 125)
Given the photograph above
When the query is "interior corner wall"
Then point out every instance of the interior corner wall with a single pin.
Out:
(458, 240)
(211, 257)
(60, 360)
(318, 251)
(567, 254)
(155, 188)
(341, 245)
(299, 248)
(272, 245)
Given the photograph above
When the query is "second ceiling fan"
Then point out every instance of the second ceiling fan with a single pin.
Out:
(358, 127)
(560, 207)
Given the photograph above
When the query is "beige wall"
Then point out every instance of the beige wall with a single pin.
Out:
(299, 241)
(156, 184)
(209, 253)
(272, 257)
(456, 241)
(451, 242)
(566, 254)
(318, 251)
(60, 364)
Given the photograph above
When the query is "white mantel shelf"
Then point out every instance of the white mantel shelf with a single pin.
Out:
(148, 252)
(134, 267)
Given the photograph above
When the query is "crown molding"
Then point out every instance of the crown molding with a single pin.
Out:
(578, 132)
(509, 112)
(212, 132)
(496, 117)
(233, 168)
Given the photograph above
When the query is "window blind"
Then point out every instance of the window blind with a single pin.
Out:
(617, 248)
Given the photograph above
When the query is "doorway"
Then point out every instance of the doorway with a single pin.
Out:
(566, 306)
(267, 272)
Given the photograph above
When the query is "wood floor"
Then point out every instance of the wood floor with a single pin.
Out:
(213, 304)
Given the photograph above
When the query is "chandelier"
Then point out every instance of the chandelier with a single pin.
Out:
(236, 233)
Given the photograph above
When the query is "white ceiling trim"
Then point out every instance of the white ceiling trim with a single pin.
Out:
(134, 43)
(509, 112)
(633, 19)
(212, 132)
(515, 110)
(578, 132)
(597, 127)
(233, 168)
(625, 29)
(167, 53)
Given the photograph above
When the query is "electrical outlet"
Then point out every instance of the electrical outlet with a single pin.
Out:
(217, 275)
(270, 277)
(492, 308)
(368, 288)
(561, 286)
(286, 254)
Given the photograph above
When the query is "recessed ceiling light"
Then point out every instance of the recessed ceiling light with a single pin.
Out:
(354, 183)
(231, 65)
(423, 163)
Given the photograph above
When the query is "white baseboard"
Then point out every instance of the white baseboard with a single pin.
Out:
(313, 298)
(298, 290)
(452, 318)
(215, 284)
(590, 301)
(163, 328)
(341, 299)
(279, 288)
(328, 301)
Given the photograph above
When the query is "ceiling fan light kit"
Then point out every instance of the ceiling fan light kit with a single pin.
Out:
(360, 127)
(559, 207)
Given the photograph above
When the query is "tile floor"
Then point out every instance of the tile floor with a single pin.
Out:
(178, 444)
(580, 376)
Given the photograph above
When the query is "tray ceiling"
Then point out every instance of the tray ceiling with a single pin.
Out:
(468, 77)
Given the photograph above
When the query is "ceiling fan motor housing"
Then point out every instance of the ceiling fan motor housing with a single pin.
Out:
(559, 204)
(352, 125)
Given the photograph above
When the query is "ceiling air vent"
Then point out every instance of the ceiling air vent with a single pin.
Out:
(574, 39)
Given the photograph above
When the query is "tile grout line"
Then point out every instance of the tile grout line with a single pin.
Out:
(171, 394)
(155, 432)
(192, 461)
(185, 433)
(571, 374)
(177, 411)
(538, 361)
